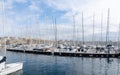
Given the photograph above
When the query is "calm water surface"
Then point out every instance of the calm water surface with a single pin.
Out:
(56, 65)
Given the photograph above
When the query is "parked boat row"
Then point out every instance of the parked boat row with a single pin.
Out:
(67, 48)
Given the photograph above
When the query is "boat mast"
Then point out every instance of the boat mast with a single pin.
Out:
(101, 28)
(28, 31)
(107, 31)
(44, 40)
(82, 30)
(74, 37)
(39, 32)
(27, 34)
(3, 19)
(77, 37)
(48, 33)
(55, 31)
(93, 39)
(37, 24)
(53, 40)
(119, 37)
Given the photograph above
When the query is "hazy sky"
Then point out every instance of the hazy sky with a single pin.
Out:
(28, 17)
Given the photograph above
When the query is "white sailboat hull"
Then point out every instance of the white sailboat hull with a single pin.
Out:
(11, 68)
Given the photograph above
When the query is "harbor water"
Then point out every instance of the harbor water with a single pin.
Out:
(35, 64)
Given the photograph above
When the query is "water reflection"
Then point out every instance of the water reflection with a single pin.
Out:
(82, 59)
(118, 61)
(56, 65)
(20, 72)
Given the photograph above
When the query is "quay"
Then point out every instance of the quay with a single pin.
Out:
(70, 54)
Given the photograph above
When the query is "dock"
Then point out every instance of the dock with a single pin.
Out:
(69, 54)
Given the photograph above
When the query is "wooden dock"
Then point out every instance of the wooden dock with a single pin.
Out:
(70, 54)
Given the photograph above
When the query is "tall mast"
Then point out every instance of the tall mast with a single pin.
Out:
(93, 37)
(82, 30)
(74, 37)
(45, 31)
(39, 32)
(77, 36)
(53, 28)
(119, 37)
(101, 28)
(55, 31)
(28, 30)
(3, 19)
(107, 31)
(26, 33)
(30, 35)
(37, 24)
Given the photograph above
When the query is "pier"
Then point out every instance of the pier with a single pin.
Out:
(69, 54)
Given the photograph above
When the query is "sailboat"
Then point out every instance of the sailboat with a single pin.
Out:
(7, 68)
